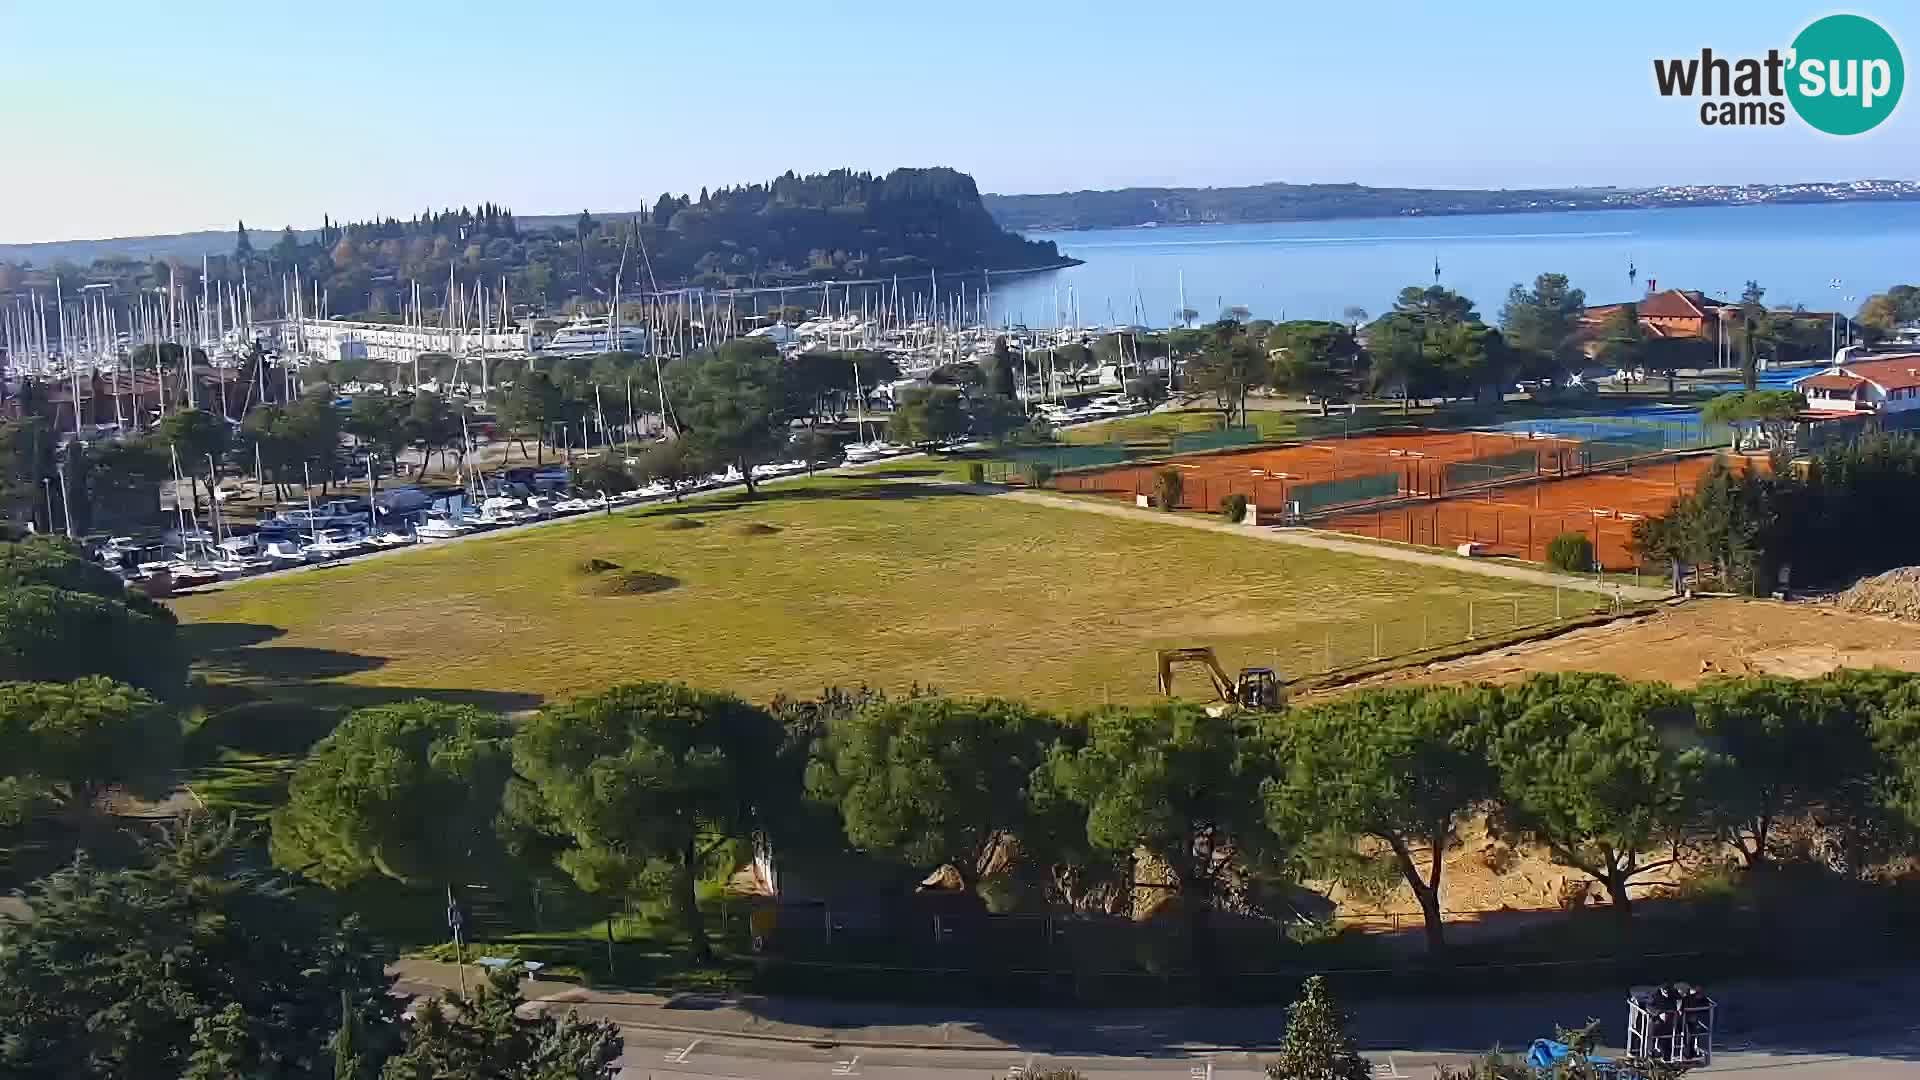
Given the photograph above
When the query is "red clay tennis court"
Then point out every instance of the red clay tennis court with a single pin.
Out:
(1521, 519)
(1270, 477)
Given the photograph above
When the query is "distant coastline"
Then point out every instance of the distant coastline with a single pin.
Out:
(1274, 203)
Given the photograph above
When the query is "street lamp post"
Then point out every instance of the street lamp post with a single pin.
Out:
(1833, 325)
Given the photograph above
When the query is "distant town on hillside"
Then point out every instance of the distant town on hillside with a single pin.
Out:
(1142, 206)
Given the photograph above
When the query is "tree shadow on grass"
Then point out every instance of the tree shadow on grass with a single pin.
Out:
(280, 699)
(889, 492)
(285, 663)
(201, 639)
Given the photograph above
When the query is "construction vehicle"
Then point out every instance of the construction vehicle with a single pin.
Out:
(1257, 689)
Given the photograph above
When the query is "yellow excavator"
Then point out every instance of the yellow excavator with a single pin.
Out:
(1258, 689)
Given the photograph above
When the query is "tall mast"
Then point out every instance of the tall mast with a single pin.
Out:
(66, 354)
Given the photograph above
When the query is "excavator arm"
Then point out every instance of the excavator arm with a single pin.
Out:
(1223, 687)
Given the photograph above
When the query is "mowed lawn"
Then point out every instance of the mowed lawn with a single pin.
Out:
(877, 581)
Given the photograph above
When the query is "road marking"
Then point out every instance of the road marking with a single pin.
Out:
(850, 1067)
(679, 1054)
(1389, 1071)
(1201, 1072)
(1019, 1071)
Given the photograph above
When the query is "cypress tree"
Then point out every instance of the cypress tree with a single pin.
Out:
(1317, 1046)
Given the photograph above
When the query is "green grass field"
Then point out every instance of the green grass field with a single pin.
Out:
(882, 579)
(877, 580)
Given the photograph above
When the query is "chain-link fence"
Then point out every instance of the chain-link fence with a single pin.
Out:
(1341, 425)
(1059, 456)
(1338, 645)
(1196, 441)
(1492, 469)
(1682, 432)
(1305, 499)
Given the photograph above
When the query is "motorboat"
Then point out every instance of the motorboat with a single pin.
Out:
(441, 528)
(868, 451)
(390, 538)
(239, 566)
(188, 575)
(238, 547)
(285, 553)
(402, 500)
(501, 510)
(186, 539)
(337, 544)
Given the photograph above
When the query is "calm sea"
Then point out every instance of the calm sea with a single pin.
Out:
(1316, 270)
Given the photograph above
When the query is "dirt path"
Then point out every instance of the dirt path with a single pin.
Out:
(1315, 539)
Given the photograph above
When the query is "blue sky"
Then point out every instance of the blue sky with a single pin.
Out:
(142, 117)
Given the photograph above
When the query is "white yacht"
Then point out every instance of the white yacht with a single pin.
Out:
(585, 336)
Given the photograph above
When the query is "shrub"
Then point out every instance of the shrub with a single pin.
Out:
(1166, 489)
(976, 473)
(1571, 551)
(1041, 472)
(1234, 508)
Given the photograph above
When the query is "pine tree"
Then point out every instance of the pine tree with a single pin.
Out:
(242, 244)
(1317, 1046)
(347, 1064)
(222, 1046)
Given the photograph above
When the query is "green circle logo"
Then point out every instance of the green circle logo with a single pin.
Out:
(1846, 74)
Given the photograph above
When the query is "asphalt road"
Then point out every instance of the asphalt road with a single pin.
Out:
(1857, 1026)
(653, 1054)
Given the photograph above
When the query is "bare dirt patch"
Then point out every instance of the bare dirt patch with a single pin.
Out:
(1487, 884)
(1687, 642)
(1895, 593)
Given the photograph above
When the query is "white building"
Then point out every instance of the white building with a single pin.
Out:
(1882, 384)
(338, 339)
